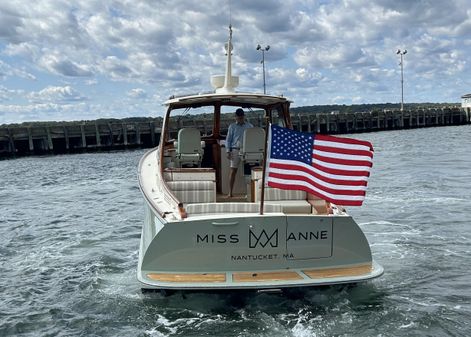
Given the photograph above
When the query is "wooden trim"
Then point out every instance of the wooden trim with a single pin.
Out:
(196, 278)
(287, 115)
(217, 121)
(266, 276)
(339, 272)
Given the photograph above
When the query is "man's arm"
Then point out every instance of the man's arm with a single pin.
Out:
(230, 135)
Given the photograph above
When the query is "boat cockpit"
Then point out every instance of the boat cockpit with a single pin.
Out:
(195, 168)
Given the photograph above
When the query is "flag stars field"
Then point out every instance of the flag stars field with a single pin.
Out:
(289, 144)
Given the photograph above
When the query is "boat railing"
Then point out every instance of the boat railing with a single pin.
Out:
(164, 190)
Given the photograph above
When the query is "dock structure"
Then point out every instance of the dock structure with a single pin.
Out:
(341, 123)
(70, 137)
(104, 135)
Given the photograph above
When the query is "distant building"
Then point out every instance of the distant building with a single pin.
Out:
(466, 101)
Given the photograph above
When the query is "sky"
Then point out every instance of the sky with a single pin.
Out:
(81, 60)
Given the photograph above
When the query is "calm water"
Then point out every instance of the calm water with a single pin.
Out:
(70, 228)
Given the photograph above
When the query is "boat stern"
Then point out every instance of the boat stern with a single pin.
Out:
(256, 252)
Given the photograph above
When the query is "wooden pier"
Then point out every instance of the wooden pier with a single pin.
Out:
(104, 135)
(69, 137)
(339, 123)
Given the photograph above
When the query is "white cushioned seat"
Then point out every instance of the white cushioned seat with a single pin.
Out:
(189, 150)
(194, 196)
(193, 191)
(292, 201)
(192, 185)
(278, 194)
(292, 206)
(253, 145)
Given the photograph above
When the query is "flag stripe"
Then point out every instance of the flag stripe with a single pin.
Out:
(347, 190)
(343, 167)
(304, 185)
(340, 140)
(341, 155)
(325, 172)
(306, 170)
(345, 146)
(353, 152)
(339, 200)
(333, 169)
(359, 163)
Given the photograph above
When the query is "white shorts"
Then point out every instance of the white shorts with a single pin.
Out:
(234, 162)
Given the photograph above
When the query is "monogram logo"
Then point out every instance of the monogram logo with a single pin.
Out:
(263, 239)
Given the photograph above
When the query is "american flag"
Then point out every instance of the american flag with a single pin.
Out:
(333, 168)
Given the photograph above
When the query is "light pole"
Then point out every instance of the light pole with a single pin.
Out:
(402, 53)
(259, 47)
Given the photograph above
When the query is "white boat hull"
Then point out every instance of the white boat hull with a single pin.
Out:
(252, 251)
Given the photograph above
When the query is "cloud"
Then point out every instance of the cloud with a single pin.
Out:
(24, 50)
(11, 22)
(137, 93)
(7, 70)
(59, 64)
(333, 56)
(305, 75)
(116, 68)
(59, 95)
(8, 94)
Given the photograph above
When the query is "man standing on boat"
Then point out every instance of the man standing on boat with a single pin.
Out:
(234, 139)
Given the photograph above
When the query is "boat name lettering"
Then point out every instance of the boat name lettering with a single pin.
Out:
(262, 239)
(318, 235)
(219, 238)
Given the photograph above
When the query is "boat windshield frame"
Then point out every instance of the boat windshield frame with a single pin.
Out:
(267, 103)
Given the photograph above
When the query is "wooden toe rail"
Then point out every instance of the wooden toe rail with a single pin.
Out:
(187, 278)
(338, 272)
(266, 276)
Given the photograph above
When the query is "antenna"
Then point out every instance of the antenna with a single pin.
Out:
(230, 13)
(226, 83)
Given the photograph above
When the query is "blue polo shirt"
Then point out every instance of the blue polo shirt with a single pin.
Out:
(235, 135)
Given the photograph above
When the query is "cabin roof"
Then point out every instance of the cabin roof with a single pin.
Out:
(236, 98)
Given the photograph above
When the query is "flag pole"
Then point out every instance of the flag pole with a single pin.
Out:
(264, 168)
